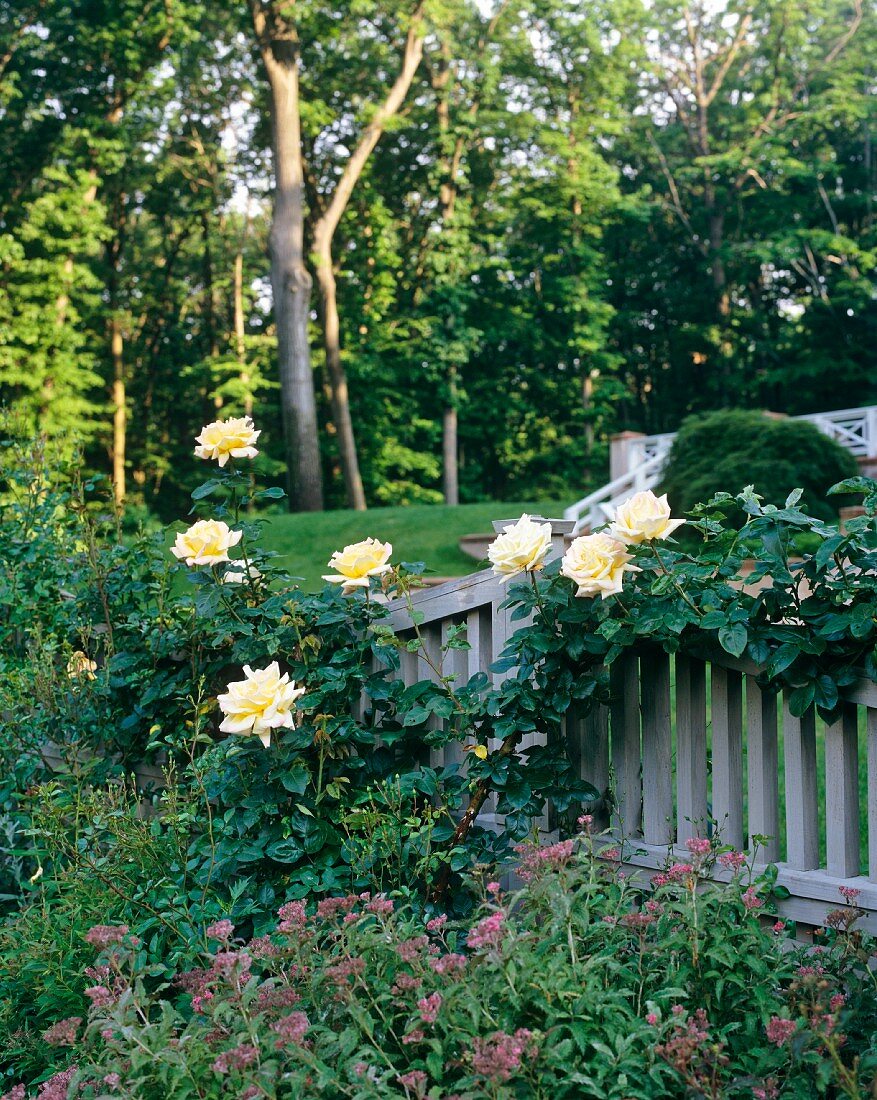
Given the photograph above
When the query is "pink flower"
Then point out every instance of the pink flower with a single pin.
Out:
(57, 1086)
(18, 1092)
(430, 1007)
(437, 923)
(411, 950)
(292, 917)
(103, 935)
(733, 860)
(448, 964)
(381, 906)
(613, 854)
(498, 1056)
(837, 1002)
(848, 893)
(222, 930)
(779, 927)
(99, 996)
(343, 971)
(699, 847)
(751, 900)
(493, 887)
(415, 1080)
(779, 1031)
(487, 933)
(415, 1036)
(586, 821)
(292, 1028)
(63, 1033)
(238, 1058)
(112, 1081)
(652, 1019)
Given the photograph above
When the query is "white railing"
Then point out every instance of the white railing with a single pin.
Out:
(675, 764)
(641, 459)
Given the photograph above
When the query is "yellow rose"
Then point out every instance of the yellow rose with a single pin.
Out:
(80, 666)
(359, 561)
(207, 542)
(260, 703)
(643, 518)
(225, 439)
(520, 548)
(597, 564)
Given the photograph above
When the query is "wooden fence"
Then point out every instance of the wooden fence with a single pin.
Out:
(690, 745)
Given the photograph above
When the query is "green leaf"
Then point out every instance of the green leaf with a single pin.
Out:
(733, 639)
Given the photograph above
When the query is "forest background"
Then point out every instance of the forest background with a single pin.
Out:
(440, 250)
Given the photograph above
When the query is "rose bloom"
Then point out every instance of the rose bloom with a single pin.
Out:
(260, 703)
(207, 542)
(80, 666)
(597, 564)
(225, 439)
(520, 548)
(359, 561)
(643, 518)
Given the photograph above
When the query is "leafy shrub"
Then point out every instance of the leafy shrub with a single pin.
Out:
(725, 451)
(583, 984)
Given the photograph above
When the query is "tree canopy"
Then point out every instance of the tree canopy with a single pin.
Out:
(522, 227)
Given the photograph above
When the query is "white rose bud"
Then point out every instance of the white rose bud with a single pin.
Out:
(597, 564)
(359, 561)
(521, 548)
(263, 701)
(643, 518)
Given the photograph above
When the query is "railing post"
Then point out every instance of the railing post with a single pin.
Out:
(625, 452)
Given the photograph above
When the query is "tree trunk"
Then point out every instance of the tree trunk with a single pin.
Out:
(120, 412)
(290, 279)
(240, 331)
(450, 463)
(353, 489)
(324, 232)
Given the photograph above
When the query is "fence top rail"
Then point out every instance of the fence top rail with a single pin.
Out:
(484, 589)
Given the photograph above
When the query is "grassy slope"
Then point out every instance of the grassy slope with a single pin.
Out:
(427, 533)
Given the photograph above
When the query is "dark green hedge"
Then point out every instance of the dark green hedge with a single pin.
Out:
(725, 451)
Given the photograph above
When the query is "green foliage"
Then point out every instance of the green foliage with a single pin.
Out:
(579, 985)
(723, 452)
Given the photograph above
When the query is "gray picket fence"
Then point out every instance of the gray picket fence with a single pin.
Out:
(690, 746)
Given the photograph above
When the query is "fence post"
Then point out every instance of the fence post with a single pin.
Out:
(624, 453)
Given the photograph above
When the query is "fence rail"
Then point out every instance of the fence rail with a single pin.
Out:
(692, 744)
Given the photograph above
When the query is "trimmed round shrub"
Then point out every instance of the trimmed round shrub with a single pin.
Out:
(726, 451)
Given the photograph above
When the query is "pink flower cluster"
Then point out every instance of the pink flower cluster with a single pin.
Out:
(57, 1086)
(430, 1007)
(221, 930)
(779, 1031)
(63, 1033)
(500, 1055)
(414, 1081)
(699, 847)
(237, 1058)
(677, 873)
(104, 935)
(551, 858)
(437, 923)
(448, 964)
(751, 900)
(411, 950)
(848, 893)
(487, 933)
(292, 917)
(292, 1028)
(734, 861)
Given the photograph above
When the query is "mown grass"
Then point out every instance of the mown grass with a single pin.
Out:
(427, 533)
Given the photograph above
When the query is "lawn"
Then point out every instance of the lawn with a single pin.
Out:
(425, 532)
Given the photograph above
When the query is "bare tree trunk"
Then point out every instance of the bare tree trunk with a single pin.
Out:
(120, 411)
(339, 394)
(290, 279)
(324, 233)
(450, 453)
(240, 331)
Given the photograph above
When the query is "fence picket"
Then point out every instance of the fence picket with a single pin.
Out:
(763, 770)
(802, 807)
(626, 748)
(691, 793)
(727, 727)
(658, 823)
(842, 794)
